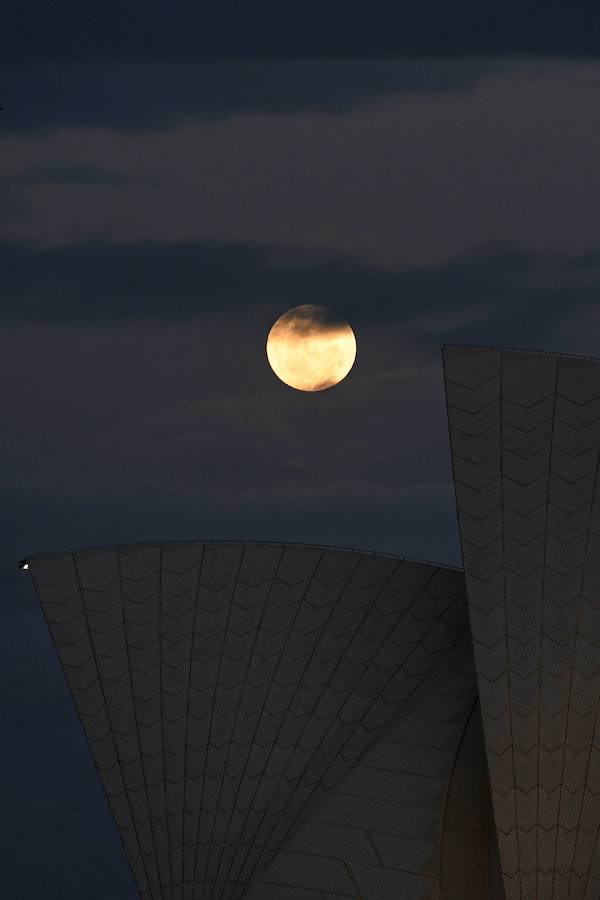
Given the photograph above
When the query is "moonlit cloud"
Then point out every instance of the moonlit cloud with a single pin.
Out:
(412, 179)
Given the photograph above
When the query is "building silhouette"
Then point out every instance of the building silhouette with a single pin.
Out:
(290, 722)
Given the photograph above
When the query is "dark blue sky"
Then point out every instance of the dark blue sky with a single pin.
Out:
(169, 185)
(232, 29)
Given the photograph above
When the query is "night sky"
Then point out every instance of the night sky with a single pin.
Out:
(168, 188)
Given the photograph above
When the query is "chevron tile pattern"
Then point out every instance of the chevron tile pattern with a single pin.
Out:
(226, 688)
(406, 821)
(525, 437)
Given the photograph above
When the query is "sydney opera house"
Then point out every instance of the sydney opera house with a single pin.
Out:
(286, 722)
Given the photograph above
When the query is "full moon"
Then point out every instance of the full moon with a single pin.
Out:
(310, 349)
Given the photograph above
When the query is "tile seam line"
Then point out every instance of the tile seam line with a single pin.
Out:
(212, 709)
(219, 844)
(309, 582)
(542, 633)
(187, 722)
(162, 718)
(135, 715)
(512, 748)
(587, 774)
(580, 599)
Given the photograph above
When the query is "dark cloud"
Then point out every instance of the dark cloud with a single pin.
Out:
(33, 30)
(414, 180)
(495, 294)
(72, 172)
(308, 319)
(152, 95)
(14, 206)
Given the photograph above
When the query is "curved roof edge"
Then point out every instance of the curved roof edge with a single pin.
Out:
(23, 563)
(536, 350)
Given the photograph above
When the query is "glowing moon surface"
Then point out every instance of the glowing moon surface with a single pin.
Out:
(309, 349)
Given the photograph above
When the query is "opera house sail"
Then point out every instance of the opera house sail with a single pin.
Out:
(525, 435)
(233, 693)
(291, 722)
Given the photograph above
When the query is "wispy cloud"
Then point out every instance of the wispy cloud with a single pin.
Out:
(148, 96)
(500, 293)
(404, 178)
